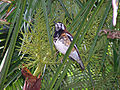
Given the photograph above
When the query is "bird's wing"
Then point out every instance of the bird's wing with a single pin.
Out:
(75, 55)
(71, 39)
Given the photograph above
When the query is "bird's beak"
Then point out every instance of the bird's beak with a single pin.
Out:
(54, 22)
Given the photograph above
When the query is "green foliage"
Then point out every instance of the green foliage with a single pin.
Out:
(36, 48)
(83, 19)
(9, 52)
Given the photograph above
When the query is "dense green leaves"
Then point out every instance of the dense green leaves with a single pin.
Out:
(70, 48)
(47, 24)
(8, 55)
(33, 46)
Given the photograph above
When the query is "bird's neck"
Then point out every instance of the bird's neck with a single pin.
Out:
(58, 33)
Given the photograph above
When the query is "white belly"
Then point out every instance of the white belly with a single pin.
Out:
(63, 48)
(60, 47)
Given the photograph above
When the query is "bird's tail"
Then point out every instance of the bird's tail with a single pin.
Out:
(81, 64)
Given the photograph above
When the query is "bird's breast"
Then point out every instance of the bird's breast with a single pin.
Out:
(60, 45)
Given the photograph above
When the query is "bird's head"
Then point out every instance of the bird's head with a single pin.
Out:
(59, 26)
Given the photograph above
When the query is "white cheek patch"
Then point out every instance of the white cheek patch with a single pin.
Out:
(55, 25)
(63, 27)
(59, 25)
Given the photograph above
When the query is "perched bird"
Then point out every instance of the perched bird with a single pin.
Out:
(62, 40)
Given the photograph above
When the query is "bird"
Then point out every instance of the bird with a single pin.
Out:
(62, 40)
